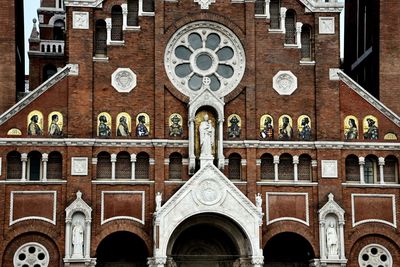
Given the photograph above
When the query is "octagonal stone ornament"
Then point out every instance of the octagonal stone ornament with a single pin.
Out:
(284, 82)
(123, 80)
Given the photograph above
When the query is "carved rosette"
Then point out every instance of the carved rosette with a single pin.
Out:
(284, 82)
(208, 192)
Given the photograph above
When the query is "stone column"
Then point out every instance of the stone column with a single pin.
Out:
(113, 160)
(221, 144)
(24, 159)
(314, 165)
(257, 261)
(157, 261)
(124, 16)
(192, 157)
(381, 164)
(68, 239)
(341, 233)
(108, 26)
(45, 158)
(295, 169)
(283, 18)
(276, 162)
(266, 11)
(133, 165)
(361, 161)
(87, 240)
(322, 240)
(298, 33)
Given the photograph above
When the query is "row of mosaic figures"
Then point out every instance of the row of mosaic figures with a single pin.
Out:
(35, 123)
(267, 130)
(370, 128)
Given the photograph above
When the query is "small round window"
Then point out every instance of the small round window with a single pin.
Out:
(375, 256)
(31, 255)
(204, 50)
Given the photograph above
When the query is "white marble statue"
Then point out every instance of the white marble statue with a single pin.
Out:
(158, 201)
(331, 240)
(77, 241)
(207, 133)
(259, 201)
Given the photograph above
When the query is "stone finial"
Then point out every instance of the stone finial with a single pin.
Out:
(34, 32)
(331, 197)
(79, 194)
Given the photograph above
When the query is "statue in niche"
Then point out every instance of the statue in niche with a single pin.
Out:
(259, 202)
(33, 127)
(305, 133)
(141, 129)
(54, 129)
(268, 131)
(331, 240)
(104, 129)
(234, 128)
(207, 133)
(77, 241)
(123, 129)
(286, 132)
(175, 129)
(158, 201)
(372, 132)
(352, 132)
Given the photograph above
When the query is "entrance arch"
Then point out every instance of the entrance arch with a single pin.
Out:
(208, 240)
(121, 249)
(288, 250)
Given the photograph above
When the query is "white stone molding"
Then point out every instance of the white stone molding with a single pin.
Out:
(208, 191)
(329, 168)
(332, 6)
(369, 98)
(56, 17)
(80, 20)
(331, 216)
(25, 257)
(284, 82)
(333, 74)
(34, 94)
(373, 257)
(78, 214)
(326, 25)
(204, 4)
(79, 166)
(1, 166)
(74, 69)
(52, 220)
(84, 3)
(140, 220)
(307, 212)
(123, 80)
(266, 13)
(393, 223)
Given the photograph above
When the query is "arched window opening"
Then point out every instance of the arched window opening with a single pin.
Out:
(306, 43)
(100, 39)
(133, 13)
(54, 165)
(390, 170)
(175, 166)
(142, 166)
(267, 167)
(352, 169)
(304, 168)
(34, 166)
(290, 26)
(48, 71)
(370, 169)
(14, 165)
(59, 30)
(104, 165)
(285, 167)
(116, 21)
(275, 14)
(234, 166)
(123, 166)
(148, 5)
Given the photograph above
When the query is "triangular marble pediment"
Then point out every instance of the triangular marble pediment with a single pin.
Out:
(331, 207)
(78, 205)
(208, 191)
(206, 98)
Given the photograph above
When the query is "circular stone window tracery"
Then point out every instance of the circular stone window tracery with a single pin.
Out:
(31, 255)
(375, 256)
(204, 49)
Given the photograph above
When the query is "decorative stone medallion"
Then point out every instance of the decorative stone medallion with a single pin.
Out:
(79, 166)
(123, 80)
(32, 254)
(326, 25)
(284, 82)
(208, 192)
(329, 168)
(204, 4)
(80, 20)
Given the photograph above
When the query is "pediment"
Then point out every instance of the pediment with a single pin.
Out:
(331, 207)
(206, 98)
(208, 191)
(78, 205)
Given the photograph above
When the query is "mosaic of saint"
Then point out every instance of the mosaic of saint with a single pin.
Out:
(285, 128)
(175, 125)
(350, 128)
(35, 123)
(104, 125)
(55, 124)
(267, 127)
(234, 126)
(142, 124)
(123, 124)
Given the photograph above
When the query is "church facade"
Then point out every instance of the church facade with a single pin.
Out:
(196, 133)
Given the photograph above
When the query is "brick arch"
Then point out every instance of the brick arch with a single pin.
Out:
(290, 227)
(36, 226)
(47, 241)
(122, 226)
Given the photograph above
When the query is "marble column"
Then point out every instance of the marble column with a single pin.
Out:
(24, 159)
(361, 162)
(45, 158)
(283, 18)
(295, 168)
(381, 164)
(276, 164)
(113, 161)
(133, 166)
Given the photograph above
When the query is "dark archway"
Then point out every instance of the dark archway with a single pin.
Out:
(121, 249)
(208, 240)
(288, 250)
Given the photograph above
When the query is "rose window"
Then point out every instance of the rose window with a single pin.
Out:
(375, 256)
(204, 50)
(31, 255)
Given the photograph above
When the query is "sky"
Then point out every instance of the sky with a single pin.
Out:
(30, 7)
